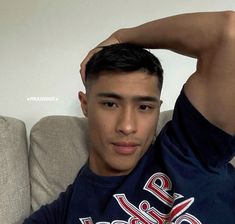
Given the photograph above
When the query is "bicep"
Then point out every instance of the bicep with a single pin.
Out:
(212, 88)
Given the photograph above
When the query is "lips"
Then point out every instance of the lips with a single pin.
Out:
(125, 148)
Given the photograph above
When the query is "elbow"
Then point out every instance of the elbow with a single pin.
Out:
(229, 26)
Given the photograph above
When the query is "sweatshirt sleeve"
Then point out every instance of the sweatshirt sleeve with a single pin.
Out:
(194, 133)
(54, 213)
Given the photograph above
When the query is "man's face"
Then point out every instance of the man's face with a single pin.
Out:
(122, 111)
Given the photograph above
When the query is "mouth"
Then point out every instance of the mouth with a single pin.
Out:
(125, 148)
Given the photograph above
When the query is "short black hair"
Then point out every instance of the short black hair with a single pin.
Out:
(123, 58)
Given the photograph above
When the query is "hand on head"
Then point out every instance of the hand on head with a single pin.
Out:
(111, 40)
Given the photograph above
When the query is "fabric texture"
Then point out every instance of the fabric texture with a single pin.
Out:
(58, 149)
(14, 176)
(176, 181)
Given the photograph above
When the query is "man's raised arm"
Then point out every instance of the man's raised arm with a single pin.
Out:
(209, 37)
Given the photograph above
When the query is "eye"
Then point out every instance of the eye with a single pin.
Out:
(145, 107)
(109, 104)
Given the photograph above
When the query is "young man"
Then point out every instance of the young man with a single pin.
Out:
(184, 176)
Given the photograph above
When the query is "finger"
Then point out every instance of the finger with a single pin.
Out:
(85, 61)
(83, 66)
(83, 69)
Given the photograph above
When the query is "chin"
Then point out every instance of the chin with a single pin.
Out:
(121, 169)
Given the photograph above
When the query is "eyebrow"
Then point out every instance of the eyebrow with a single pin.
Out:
(135, 98)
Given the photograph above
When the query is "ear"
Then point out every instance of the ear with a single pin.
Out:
(83, 100)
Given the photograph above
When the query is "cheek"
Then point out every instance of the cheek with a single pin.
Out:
(150, 132)
(100, 127)
(149, 127)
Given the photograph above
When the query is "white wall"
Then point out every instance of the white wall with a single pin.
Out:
(43, 42)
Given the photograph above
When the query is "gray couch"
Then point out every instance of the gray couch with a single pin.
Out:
(30, 178)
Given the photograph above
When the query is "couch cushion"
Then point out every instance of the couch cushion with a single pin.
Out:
(58, 149)
(14, 177)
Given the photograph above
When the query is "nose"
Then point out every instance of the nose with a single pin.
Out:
(127, 122)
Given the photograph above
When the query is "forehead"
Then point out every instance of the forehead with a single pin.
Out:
(127, 84)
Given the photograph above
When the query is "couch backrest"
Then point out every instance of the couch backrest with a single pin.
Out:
(14, 177)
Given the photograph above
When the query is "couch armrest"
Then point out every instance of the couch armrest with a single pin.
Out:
(14, 177)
